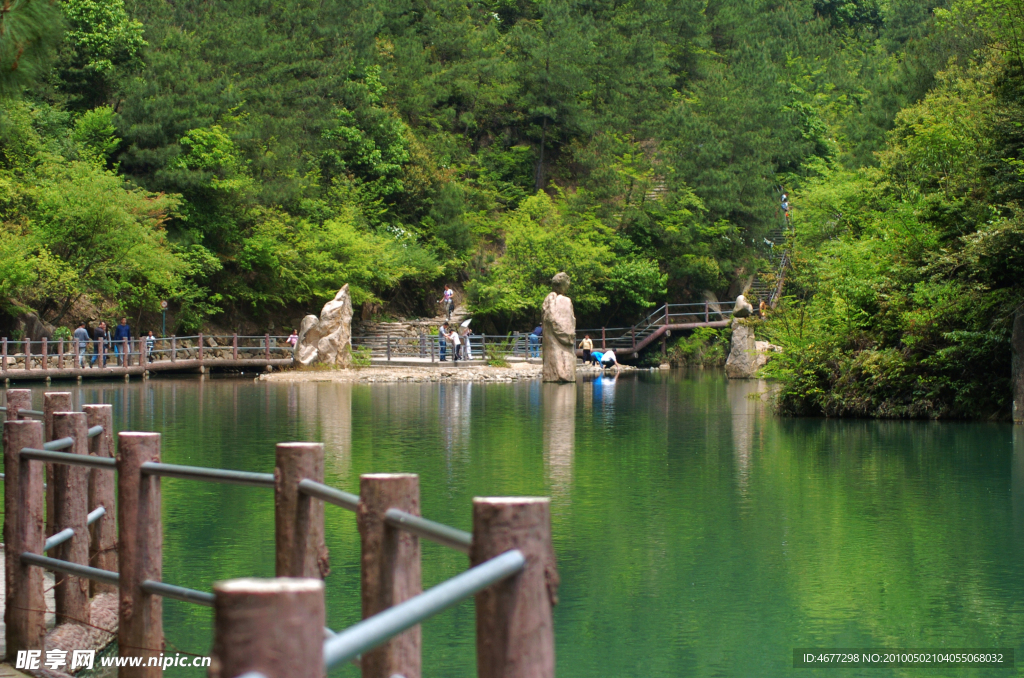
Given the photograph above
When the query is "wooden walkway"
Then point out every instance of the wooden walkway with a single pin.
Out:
(194, 366)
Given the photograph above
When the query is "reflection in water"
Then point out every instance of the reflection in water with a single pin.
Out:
(559, 401)
(455, 402)
(332, 424)
(1018, 486)
(744, 409)
(604, 391)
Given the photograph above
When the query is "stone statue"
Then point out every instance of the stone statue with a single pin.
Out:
(327, 339)
(742, 309)
(559, 333)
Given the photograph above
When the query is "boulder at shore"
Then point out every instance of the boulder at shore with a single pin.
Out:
(746, 356)
(327, 339)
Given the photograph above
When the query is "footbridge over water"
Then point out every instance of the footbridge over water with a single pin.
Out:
(627, 342)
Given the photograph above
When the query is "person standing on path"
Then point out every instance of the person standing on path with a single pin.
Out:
(456, 345)
(150, 344)
(81, 336)
(448, 302)
(121, 333)
(293, 338)
(586, 346)
(535, 337)
(442, 341)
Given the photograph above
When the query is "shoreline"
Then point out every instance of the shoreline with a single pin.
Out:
(375, 374)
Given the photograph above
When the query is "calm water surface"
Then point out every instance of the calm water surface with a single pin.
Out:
(696, 534)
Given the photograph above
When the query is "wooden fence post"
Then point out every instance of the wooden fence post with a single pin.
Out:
(103, 351)
(390, 568)
(706, 316)
(24, 614)
(60, 354)
(103, 542)
(3, 356)
(234, 346)
(18, 399)
(174, 348)
(266, 343)
(28, 354)
(270, 626)
(70, 508)
(45, 355)
(514, 630)
(200, 345)
(54, 401)
(298, 518)
(140, 631)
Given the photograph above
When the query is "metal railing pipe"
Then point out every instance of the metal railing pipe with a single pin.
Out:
(59, 444)
(215, 475)
(428, 529)
(378, 629)
(158, 588)
(65, 458)
(68, 533)
(331, 495)
(64, 567)
(95, 431)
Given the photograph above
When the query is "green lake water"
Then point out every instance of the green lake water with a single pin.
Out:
(696, 534)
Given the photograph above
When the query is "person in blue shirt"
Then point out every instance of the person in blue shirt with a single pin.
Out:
(122, 332)
(596, 356)
(442, 341)
(535, 336)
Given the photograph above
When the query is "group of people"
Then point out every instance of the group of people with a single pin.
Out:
(103, 342)
(605, 359)
(458, 337)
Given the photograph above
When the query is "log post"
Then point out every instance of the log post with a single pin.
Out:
(60, 354)
(18, 399)
(54, 401)
(389, 347)
(514, 630)
(273, 627)
(3, 355)
(234, 346)
(70, 508)
(390, 568)
(707, 317)
(28, 354)
(200, 346)
(102, 352)
(298, 518)
(24, 614)
(103, 542)
(174, 348)
(74, 355)
(266, 343)
(126, 349)
(45, 355)
(140, 630)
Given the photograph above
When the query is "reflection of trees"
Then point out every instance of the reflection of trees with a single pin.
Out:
(559, 402)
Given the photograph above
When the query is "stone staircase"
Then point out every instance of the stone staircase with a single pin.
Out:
(407, 328)
(765, 285)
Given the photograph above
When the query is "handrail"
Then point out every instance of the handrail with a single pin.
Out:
(158, 588)
(369, 633)
(59, 444)
(64, 567)
(428, 529)
(68, 533)
(66, 458)
(331, 495)
(216, 475)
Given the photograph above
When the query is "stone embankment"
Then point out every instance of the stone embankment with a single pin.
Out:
(479, 373)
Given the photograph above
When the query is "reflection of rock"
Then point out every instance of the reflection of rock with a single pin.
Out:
(559, 333)
(742, 309)
(1017, 343)
(744, 410)
(559, 435)
(328, 339)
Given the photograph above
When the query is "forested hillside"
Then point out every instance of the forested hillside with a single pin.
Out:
(245, 158)
(908, 275)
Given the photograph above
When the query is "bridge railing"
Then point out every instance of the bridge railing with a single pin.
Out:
(622, 338)
(138, 351)
(275, 627)
(432, 348)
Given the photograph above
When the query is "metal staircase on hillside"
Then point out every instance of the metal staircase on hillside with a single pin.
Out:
(767, 286)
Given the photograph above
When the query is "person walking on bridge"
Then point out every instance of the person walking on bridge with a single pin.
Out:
(81, 336)
(122, 333)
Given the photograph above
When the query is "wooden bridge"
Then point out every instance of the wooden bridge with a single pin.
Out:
(62, 359)
(263, 628)
(628, 342)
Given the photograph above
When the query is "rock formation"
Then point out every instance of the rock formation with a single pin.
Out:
(559, 339)
(327, 339)
(746, 356)
(743, 308)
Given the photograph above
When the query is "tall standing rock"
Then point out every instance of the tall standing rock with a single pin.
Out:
(742, 362)
(559, 332)
(1017, 342)
(328, 339)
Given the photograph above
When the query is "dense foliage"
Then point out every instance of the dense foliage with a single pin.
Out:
(248, 157)
(908, 274)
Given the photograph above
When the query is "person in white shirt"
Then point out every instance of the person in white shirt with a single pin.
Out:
(609, 359)
(456, 344)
